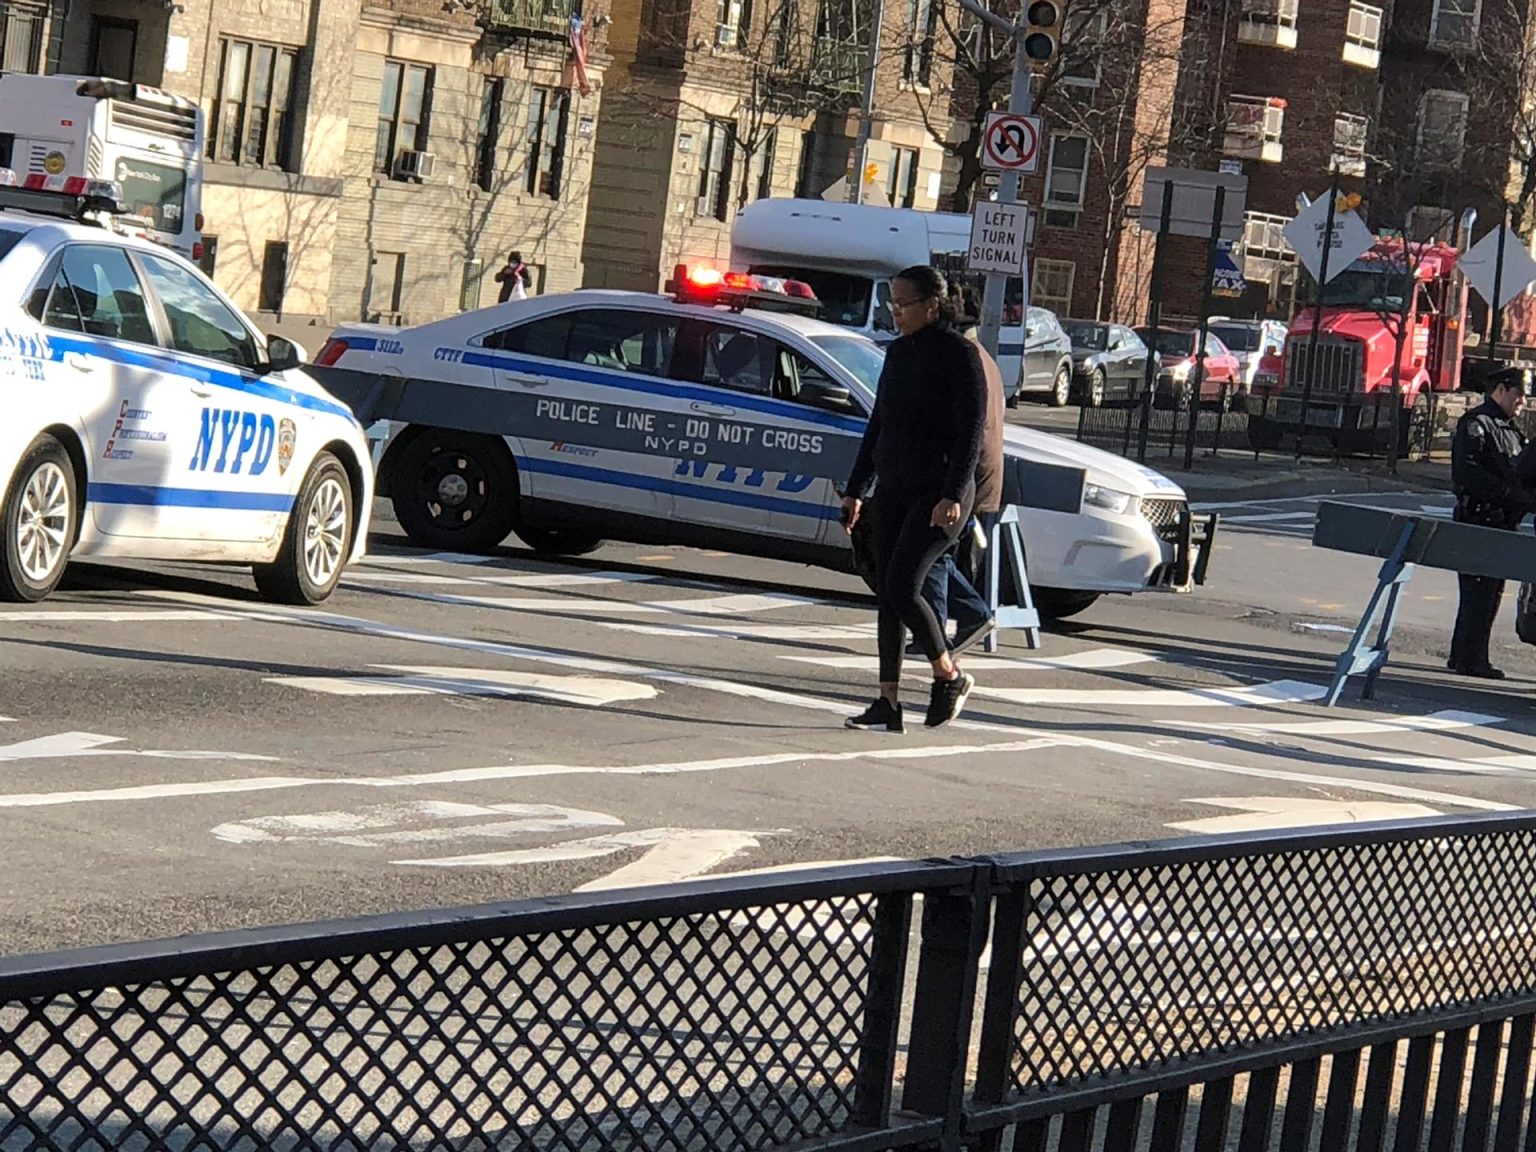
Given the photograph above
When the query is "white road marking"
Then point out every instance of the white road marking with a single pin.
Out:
(552, 604)
(1435, 722)
(733, 603)
(1274, 692)
(792, 632)
(72, 745)
(358, 578)
(1487, 765)
(1308, 626)
(590, 691)
(314, 618)
(587, 849)
(500, 772)
(571, 579)
(1267, 517)
(683, 856)
(432, 558)
(105, 615)
(1092, 659)
(1262, 813)
(418, 821)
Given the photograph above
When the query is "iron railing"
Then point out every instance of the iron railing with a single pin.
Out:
(1236, 992)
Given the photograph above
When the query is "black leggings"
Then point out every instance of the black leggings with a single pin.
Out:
(906, 545)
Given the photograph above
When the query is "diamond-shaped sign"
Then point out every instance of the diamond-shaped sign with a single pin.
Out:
(1351, 238)
(1479, 264)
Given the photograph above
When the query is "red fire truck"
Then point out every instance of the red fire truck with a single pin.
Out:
(1396, 290)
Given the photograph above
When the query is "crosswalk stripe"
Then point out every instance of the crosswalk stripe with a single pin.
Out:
(1483, 765)
(412, 681)
(1274, 692)
(105, 615)
(1093, 659)
(1435, 722)
(789, 632)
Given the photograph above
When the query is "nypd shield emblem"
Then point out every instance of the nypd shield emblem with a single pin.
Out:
(286, 435)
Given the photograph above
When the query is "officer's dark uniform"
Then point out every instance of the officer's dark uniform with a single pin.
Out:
(1488, 493)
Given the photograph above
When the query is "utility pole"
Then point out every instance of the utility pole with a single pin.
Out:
(1034, 37)
(867, 111)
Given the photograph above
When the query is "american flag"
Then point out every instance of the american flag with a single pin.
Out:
(578, 57)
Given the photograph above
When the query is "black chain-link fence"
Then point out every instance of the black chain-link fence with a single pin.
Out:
(1213, 994)
(1270, 421)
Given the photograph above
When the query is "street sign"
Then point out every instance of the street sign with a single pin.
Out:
(1194, 202)
(1011, 143)
(999, 237)
(1351, 238)
(1479, 263)
(1228, 278)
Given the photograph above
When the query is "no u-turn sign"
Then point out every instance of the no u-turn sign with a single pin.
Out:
(1011, 143)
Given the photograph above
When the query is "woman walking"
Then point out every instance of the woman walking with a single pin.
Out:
(921, 445)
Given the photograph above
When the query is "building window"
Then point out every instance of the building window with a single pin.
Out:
(114, 47)
(806, 172)
(1453, 23)
(1442, 128)
(901, 178)
(917, 57)
(489, 132)
(1364, 27)
(731, 18)
(1264, 237)
(1426, 223)
(765, 171)
(786, 21)
(274, 277)
(250, 116)
(715, 172)
(1051, 286)
(386, 288)
(1349, 138)
(21, 39)
(405, 103)
(1082, 38)
(548, 111)
(470, 283)
(1066, 178)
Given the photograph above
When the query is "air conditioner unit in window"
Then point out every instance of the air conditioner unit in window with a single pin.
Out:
(416, 165)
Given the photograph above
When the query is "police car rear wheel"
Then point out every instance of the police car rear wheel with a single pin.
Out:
(455, 491)
(317, 540)
(40, 518)
(1059, 603)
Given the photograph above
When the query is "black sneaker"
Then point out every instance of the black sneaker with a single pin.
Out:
(973, 636)
(881, 716)
(947, 699)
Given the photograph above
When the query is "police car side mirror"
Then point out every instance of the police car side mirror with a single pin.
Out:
(826, 394)
(283, 354)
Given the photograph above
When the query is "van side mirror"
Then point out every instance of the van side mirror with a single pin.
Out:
(283, 354)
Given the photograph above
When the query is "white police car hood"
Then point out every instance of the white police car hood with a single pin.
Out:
(1104, 468)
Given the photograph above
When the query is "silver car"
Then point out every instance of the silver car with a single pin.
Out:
(1109, 361)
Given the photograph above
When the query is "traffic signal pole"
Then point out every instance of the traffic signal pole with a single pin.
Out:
(1020, 102)
(867, 113)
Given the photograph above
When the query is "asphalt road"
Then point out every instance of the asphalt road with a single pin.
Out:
(446, 730)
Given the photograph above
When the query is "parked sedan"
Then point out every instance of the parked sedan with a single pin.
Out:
(1175, 378)
(1046, 359)
(1109, 361)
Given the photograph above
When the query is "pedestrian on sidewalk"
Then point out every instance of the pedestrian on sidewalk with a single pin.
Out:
(1484, 450)
(952, 578)
(922, 444)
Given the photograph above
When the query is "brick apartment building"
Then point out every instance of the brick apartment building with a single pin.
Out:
(365, 159)
(714, 103)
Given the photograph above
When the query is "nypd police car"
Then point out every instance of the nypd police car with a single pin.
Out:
(146, 418)
(715, 415)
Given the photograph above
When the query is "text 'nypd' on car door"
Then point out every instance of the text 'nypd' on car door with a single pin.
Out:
(747, 377)
(234, 431)
(593, 364)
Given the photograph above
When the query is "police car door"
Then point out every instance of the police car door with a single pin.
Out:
(233, 430)
(105, 356)
(592, 376)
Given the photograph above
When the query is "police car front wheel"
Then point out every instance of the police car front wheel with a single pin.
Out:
(41, 516)
(317, 540)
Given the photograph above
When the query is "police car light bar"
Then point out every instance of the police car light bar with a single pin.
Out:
(67, 197)
(740, 290)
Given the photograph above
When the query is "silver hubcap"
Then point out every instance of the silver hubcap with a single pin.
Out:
(325, 532)
(453, 489)
(43, 529)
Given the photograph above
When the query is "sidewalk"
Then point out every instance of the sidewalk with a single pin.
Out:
(1277, 475)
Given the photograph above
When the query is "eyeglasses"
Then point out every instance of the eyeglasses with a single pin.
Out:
(900, 305)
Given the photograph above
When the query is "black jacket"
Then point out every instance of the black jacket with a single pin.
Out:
(1483, 454)
(925, 434)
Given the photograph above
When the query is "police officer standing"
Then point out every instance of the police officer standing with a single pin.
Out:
(1489, 494)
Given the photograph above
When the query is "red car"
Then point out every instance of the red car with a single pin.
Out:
(1176, 350)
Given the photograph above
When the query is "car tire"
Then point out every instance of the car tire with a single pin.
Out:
(41, 513)
(317, 540)
(1059, 603)
(455, 491)
(1096, 388)
(559, 541)
(1061, 387)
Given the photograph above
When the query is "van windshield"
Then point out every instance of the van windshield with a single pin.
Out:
(860, 355)
(1237, 338)
(844, 299)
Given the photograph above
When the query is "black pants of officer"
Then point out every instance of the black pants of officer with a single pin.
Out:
(1480, 596)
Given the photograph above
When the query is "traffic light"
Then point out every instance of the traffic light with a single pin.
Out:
(1042, 32)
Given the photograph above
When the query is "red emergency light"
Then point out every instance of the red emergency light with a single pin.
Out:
(738, 289)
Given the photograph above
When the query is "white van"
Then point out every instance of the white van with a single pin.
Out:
(848, 252)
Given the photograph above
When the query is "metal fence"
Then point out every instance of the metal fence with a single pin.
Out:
(1308, 990)
(1261, 423)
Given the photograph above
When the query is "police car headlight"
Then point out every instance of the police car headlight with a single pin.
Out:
(1109, 499)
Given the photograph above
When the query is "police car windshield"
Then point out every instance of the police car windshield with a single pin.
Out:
(861, 356)
(844, 299)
